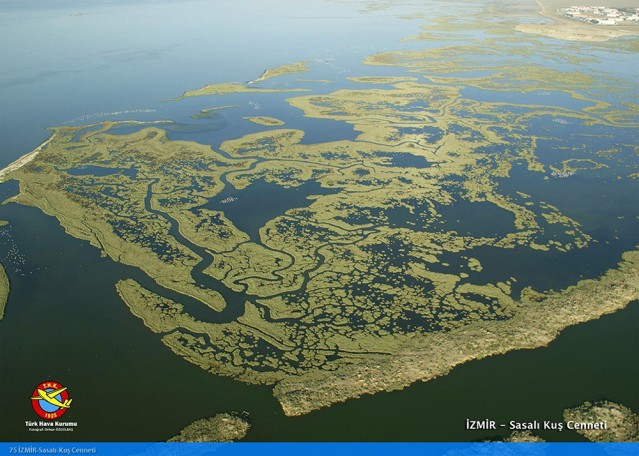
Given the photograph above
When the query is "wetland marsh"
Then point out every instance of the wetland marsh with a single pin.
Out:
(446, 220)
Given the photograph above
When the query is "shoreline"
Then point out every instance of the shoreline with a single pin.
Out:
(263, 77)
(25, 159)
(30, 156)
(541, 319)
(564, 28)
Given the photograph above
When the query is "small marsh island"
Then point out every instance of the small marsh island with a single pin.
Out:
(224, 427)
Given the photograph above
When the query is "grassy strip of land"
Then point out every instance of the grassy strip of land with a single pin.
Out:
(4, 290)
(233, 87)
(266, 121)
(208, 112)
